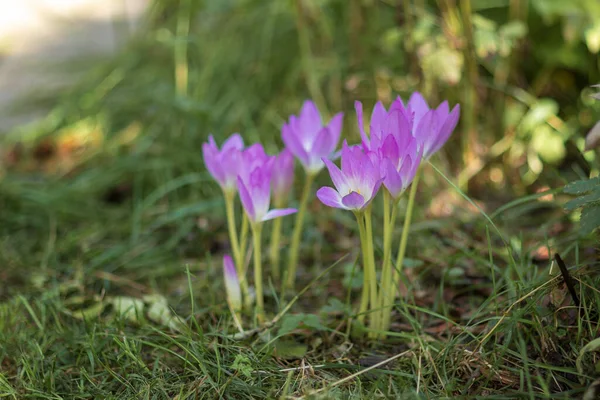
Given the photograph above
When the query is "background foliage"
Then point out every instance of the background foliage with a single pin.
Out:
(105, 204)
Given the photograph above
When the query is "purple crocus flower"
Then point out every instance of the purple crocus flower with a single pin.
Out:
(307, 138)
(283, 176)
(224, 164)
(391, 145)
(232, 284)
(255, 193)
(399, 165)
(252, 157)
(356, 184)
(431, 127)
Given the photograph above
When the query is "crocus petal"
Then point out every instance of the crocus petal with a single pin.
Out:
(353, 201)
(335, 129)
(396, 124)
(390, 148)
(278, 212)
(310, 118)
(443, 108)
(424, 133)
(323, 144)
(246, 199)
(213, 167)
(337, 177)
(377, 119)
(293, 143)
(447, 129)
(232, 284)
(361, 125)
(330, 197)
(418, 106)
(374, 192)
(392, 180)
(283, 174)
(235, 141)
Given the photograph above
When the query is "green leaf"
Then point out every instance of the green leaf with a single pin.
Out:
(290, 349)
(583, 200)
(242, 365)
(590, 219)
(334, 306)
(582, 186)
(291, 322)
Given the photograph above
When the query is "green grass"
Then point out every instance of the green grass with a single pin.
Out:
(110, 253)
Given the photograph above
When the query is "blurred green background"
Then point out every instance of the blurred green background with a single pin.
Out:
(118, 156)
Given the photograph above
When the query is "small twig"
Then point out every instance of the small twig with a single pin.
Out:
(363, 371)
(567, 277)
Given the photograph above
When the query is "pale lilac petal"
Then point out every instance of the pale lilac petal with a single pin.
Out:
(398, 104)
(443, 108)
(397, 125)
(424, 133)
(374, 192)
(292, 142)
(310, 119)
(246, 199)
(359, 116)
(353, 201)
(260, 190)
(211, 163)
(337, 177)
(283, 173)
(354, 161)
(232, 284)
(377, 119)
(278, 212)
(392, 180)
(330, 197)
(335, 129)
(235, 141)
(323, 144)
(418, 106)
(211, 141)
(390, 148)
(447, 129)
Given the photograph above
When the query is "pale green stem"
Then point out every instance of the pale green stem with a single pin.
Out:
(364, 297)
(244, 240)
(238, 256)
(386, 275)
(297, 234)
(374, 315)
(275, 244)
(260, 306)
(405, 230)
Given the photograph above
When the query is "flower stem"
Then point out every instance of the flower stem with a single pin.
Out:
(374, 315)
(386, 274)
(297, 234)
(364, 297)
(260, 307)
(238, 256)
(274, 249)
(405, 230)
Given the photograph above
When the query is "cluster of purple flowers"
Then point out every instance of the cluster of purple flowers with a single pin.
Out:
(252, 173)
(389, 156)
